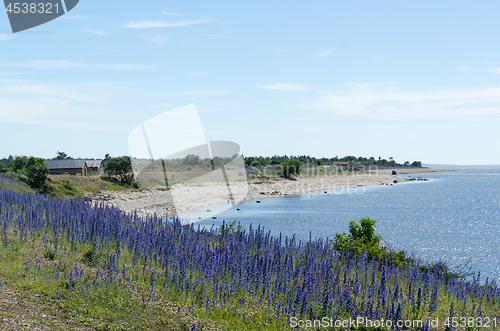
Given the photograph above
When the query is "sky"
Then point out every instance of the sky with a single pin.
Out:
(412, 80)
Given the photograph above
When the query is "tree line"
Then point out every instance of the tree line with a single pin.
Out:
(34, 171)
(263, 161)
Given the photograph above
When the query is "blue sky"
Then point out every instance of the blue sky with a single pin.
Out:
(410, 80)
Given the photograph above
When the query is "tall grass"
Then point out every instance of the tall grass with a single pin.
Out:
(8, 183)
(106, 267)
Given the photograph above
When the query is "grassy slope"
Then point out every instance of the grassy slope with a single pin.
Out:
(35, 291)
(73, 186)
(128, 304)
(65, 186)
(87, 301)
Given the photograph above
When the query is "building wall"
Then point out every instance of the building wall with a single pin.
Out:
(99, 170)
(73, 171)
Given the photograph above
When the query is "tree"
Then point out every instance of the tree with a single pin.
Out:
(362, 237)
(62, 156)
(416, 164)
(19, 163)
(191, 159)
(291, 167)
(37, 174)
(106, 157)
(120, 166)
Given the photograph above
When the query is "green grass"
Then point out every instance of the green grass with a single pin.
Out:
(65, 186)
(10, 181)
(126, 303)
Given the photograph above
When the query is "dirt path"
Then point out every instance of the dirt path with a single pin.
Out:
(28, 311)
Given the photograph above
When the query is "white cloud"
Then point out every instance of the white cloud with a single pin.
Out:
(62, 64)
(463, 68)
(223, 37)
(52, 91)
(495, 70)
(57, 105)
(161, 24)
(53, 113)
(122, 66)
(202, 93)
(97, 32)
(166, 12)
(9, 73)
(5, 36)
(285, 87)
(43, 64)
(193, 74)
(72, 17)
(389, 102)
(157, 39)
(102, 49)
(321, 54)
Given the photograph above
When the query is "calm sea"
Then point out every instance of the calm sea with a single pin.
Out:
(455, 216)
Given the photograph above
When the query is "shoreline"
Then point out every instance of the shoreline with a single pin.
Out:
(158, 199)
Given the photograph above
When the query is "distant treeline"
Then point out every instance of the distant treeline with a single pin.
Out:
(262, 161)
(20, 162)
(193, 162)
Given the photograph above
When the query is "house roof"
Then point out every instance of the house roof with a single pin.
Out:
(65, 164)
(341, 162)
(94, 163)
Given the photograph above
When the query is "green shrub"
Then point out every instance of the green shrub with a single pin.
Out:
(121, 167)
(362, 237)
(19, 163)
(92, 256)
(37, 174)
(291, 167)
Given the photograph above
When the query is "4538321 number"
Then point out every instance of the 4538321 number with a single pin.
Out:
(32, 8)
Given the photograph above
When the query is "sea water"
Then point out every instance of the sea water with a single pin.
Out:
(453, 217)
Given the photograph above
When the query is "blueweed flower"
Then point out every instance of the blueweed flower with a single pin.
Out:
(395, 295)
(427, 325)
(451, 327)
(410, 290)
(249, 263)
(398, 316)
(419, 297)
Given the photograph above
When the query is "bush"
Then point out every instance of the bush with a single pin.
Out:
(362, 237)
(291, 167)
(121, 167)
(37, 174)
(19, 163)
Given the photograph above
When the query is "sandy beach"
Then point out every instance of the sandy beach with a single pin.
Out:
(160, 199)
